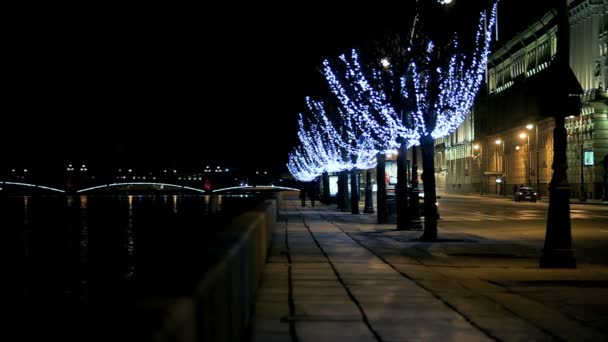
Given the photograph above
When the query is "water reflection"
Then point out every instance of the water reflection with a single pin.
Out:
(83, 254)
(130, 241)
(83, 242)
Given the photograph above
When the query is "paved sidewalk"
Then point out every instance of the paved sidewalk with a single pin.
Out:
(336, 276)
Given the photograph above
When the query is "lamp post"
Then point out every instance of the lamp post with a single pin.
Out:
(527, 136)
(530, 126)
(477, 147)
(502, 167)
(581, 138)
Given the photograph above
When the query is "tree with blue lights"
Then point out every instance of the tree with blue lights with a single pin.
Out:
(321, 146)
(427, 98)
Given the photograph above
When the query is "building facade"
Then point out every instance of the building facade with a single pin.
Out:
(503, 144)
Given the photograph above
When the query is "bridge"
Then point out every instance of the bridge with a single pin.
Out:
(157, 185)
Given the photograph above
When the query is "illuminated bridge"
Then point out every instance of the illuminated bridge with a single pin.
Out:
(133, 186)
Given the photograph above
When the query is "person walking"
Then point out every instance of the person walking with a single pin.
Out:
(312, 192)
(303, 188)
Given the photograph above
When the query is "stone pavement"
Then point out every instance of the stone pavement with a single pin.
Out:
(334, 276)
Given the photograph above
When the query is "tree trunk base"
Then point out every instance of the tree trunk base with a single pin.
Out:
(557, 258)
(428, 237)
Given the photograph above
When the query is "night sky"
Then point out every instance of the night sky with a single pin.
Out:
(155, 86)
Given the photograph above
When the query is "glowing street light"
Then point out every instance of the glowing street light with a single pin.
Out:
(503, 169)
(530, 126)
(527, 137)
(385, 63)
(477, 155)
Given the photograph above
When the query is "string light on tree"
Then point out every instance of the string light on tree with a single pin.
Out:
(321, 149)
(427, 100)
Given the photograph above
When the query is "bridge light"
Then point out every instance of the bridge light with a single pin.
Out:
(130, 170)
(24, 170)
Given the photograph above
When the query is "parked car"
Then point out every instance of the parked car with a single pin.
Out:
(525, 193)
(421, 200)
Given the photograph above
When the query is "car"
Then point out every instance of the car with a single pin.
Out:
(421, 200)
(525, 193)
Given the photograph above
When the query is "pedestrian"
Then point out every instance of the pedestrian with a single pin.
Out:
(312, 192)
(303, 187)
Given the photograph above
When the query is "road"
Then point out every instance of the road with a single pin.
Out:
(524, 222)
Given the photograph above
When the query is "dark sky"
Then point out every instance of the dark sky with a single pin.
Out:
(172, 85)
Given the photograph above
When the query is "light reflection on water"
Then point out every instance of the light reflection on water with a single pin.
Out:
(130, 241)
(84, 254)
(84, 241)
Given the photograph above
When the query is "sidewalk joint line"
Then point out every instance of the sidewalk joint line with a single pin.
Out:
(348, 291)
(487, 333)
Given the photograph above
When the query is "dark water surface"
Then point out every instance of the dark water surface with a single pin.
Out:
(105, 267)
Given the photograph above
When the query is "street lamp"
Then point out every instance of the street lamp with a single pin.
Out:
(502, 166)
(530, 126)
(527, 136)
(581, 137)
(478, 149)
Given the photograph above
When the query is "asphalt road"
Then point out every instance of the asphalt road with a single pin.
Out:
(526, 223)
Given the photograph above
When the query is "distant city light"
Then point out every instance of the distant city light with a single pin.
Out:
(444, 2)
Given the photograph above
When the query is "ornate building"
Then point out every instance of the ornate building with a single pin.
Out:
(507, 140)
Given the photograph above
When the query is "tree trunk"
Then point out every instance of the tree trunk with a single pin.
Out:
(427, 144)
(381, 192)
(325, 181)
(345, 207)
(403, 217)
(369, 205)
(605, 179)
(354, 191)
(414, 206)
